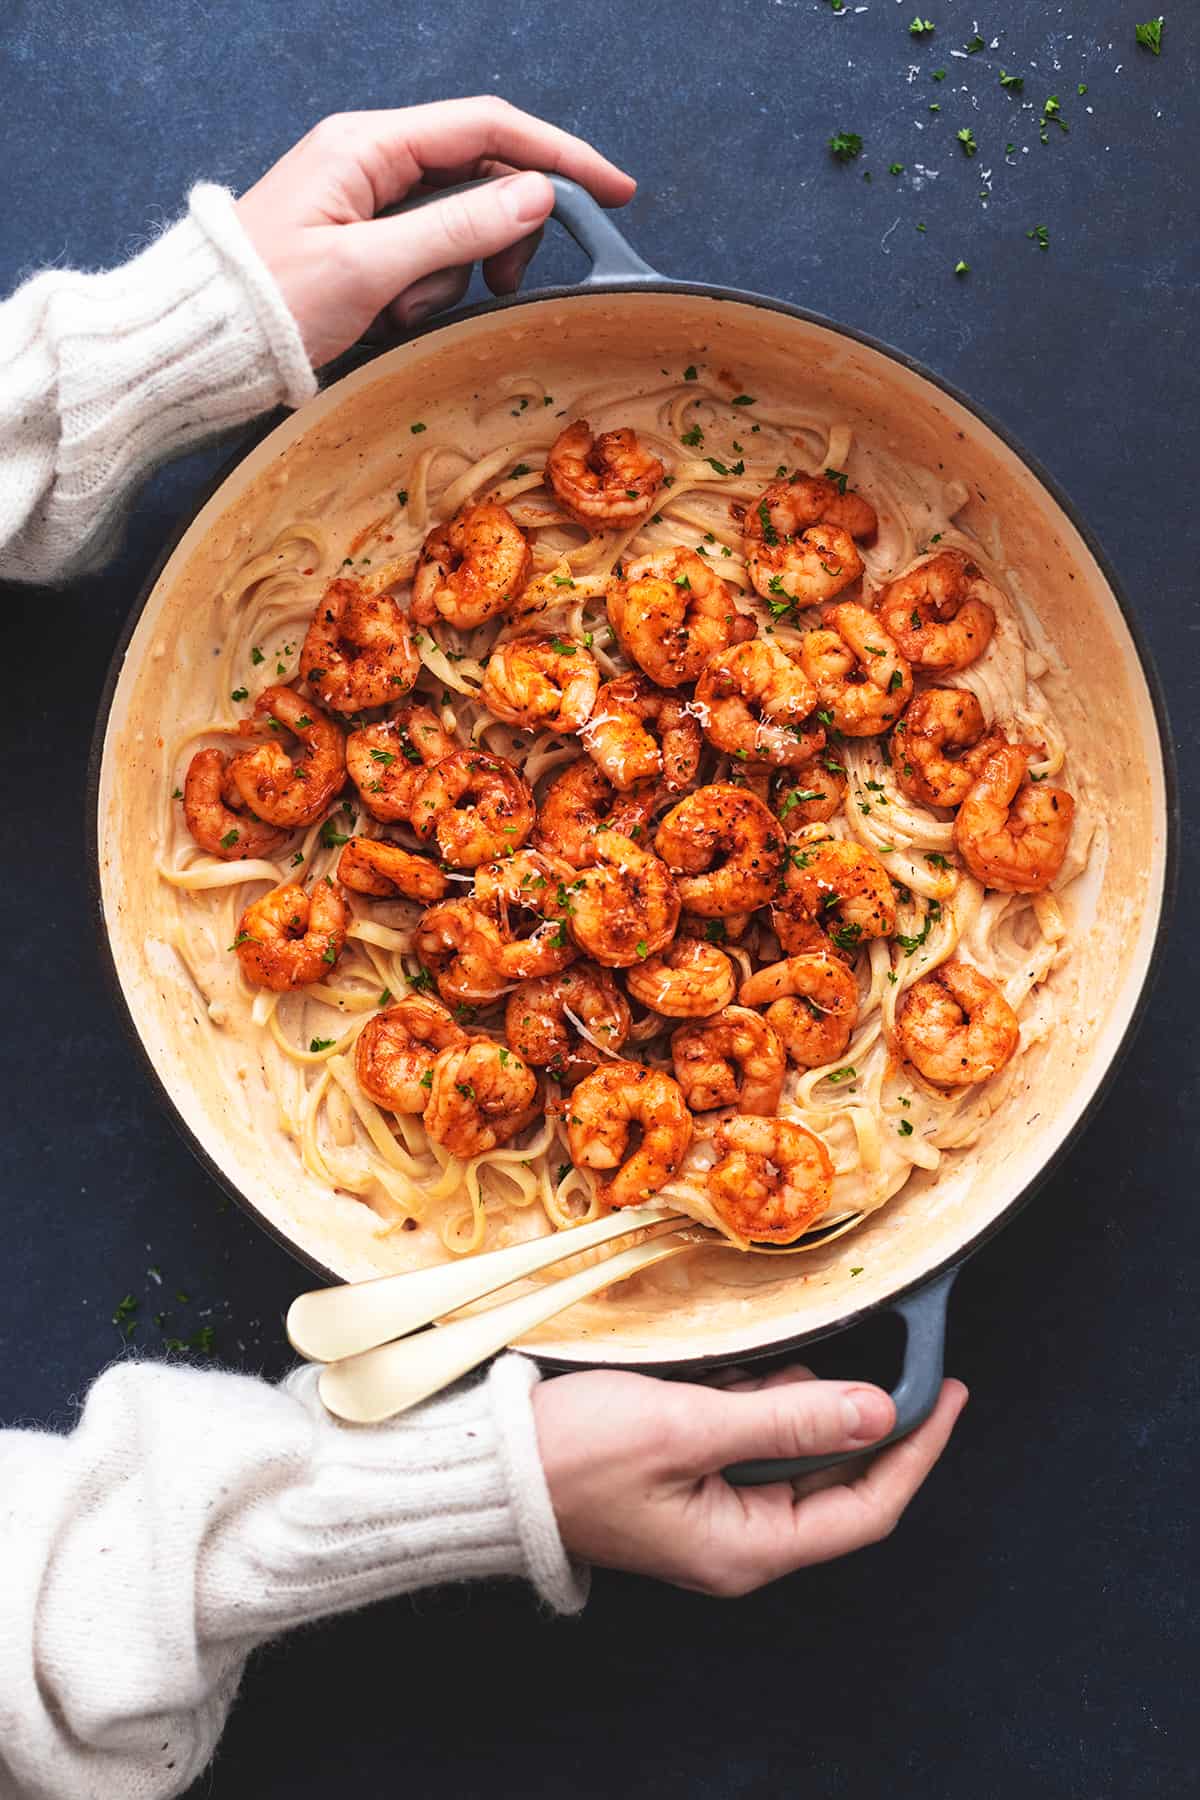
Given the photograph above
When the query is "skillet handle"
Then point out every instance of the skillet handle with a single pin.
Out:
(614, 260)
(915, 1394)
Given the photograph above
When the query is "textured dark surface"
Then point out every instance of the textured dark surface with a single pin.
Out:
(1026, 1633)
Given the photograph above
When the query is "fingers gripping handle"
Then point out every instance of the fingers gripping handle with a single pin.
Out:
(914, 1396)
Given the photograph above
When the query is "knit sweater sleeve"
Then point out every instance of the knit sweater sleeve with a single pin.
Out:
(191, 1514)
(103, 376)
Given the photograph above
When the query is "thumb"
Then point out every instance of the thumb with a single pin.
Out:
(444, 234)
(793, 1418)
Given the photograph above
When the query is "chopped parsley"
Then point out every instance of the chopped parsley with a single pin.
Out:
(240, 694)
(384, 997)
(257, 656)
(318, 1044)
(845, 145)
(939, 74)
(920, 27)
(243, 937)
(230, 839)
(1149, 35)
(331, 837)
(383, 756)
(642, 947)
(937, 860)
(515, 473)
(966, 138)
(561, 648)
(846, 937)
(905, 1128)
(961, 268)
(839, 476)
(1041, 236)
(689, 374)
(693, 438)
(742, 400)
(402, 497)
(895, 168)
(330, 955)
(1014, 83)
(837, 1076)
(426, 1079)
(417, 428)
(975, 45)
(123, 1316)
(177, 793)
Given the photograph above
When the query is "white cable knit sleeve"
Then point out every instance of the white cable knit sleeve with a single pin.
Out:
(103, 376)
(192, 1514)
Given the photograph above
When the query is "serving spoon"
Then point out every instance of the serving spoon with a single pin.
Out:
(373, 1372)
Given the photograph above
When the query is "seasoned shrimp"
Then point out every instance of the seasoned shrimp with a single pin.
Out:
(481, 1095)
(529, 896)
(753, 701)
(689, 979)
(671, 611)
(290, 938)
(478, 807)
(860, 676)
(395, 1051)
(810, 794)
(274, 787)
(578, 803)
(543, 1020)
(605, 483)
(600, 1113)
(939, 747)
(844, 887)
(547, 684)
(773, 1179)
(359, 649)
(626, 906)
(735, 1059)
(213, 809)
(933, 614)
(375, 866)
(618, 737)
(730, 828)
(471, 568)
(793, 504)
(386, 760)
(811, 1001)
(800, 934)
(790, 555)
(1012, 837)
(956, 1027)
(460, 945)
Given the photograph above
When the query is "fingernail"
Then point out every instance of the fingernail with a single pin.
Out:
(866, 1414)
(528, 198)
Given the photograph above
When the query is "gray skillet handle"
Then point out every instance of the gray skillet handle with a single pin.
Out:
(615, 263)
(915, 1394)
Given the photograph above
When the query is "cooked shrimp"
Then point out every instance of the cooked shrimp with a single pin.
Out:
(274, 787)
(460, 945)
(626, 906)
(1013, 837)
(939, 746)
(618, 737)
(810, 794)
(935, 618)
(773, 1179)
(800, 934)
(290, 938)
(793, 504)
(359, 649)
(212, 807)
(471, 568)
(605, 483)
(543, 1017)
(478, 807)
(844, 887)
(689, 979)
(735, 1059)
(481, 1095)
(859, 674)
(376, 866)
(728, 827)
(386, 760)
(955, 1026)
(794, 546)
(600, 1113)
(578, 803)
(543, 683)
(812, 1002)
(529, 889)
(395, 1051)
(671, 611)
(753, 701)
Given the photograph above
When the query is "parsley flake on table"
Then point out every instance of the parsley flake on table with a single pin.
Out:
(845, 145)
(895, 168)
(939, 74)
(1149, 35)
(960, 268)
(1014, 83)
(920, 27)
(966, 138)
(975, 45)
(1042, 236)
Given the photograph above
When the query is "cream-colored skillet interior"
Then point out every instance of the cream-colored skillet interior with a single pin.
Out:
(711, 1303)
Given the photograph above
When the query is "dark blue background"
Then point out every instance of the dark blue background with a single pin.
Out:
(1026, 1632)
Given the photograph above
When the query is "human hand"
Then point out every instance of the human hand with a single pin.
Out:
(634, 1467)
(312, 217)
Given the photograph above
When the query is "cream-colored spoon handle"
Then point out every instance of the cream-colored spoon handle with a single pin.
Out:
(389, 1379)
(340, 1321)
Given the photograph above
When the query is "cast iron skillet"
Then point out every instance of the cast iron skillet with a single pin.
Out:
(616, 267)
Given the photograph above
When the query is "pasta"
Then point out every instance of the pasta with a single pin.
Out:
(717, 454)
